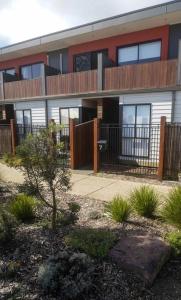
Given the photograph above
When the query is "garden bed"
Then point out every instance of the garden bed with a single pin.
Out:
(34, 243)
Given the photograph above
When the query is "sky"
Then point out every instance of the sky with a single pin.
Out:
(24, 19)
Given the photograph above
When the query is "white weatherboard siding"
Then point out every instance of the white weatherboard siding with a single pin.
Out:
(177, 108)
(37, 111)
(55, 105)
(161, 104)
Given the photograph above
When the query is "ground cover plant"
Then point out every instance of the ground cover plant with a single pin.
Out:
(68, 274)
(95, 243)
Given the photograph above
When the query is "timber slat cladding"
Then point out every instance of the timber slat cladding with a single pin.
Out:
(140, 76)
(23, 89)
(73, 83)
(172, 155)
(84, 144)
(5, 139)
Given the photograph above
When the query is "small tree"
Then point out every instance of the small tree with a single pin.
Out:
(44, 163)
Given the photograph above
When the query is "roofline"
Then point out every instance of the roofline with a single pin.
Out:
(92, 23)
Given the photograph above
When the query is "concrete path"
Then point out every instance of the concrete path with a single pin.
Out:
(97, 187)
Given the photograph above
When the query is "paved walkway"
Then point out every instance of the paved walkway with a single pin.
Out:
(97, 187)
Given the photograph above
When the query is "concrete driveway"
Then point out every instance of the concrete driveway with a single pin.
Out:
(97, 187)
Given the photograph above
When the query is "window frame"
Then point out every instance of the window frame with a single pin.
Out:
(84, 53)
(23, 110)
(138, 61)
(29, 65)
(135, 129)
(79, 110)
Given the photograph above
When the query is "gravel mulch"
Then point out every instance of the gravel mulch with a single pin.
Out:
(33, 245)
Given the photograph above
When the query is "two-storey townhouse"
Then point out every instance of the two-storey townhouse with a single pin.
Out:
(123, 70)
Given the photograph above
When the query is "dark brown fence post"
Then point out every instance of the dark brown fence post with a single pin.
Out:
(13, 135)
(72, 144)
(96, 158)
(162, 148)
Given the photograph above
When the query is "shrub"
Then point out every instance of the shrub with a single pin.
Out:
(119, 209)
(174, 239)
(28, 189)
(9, 269)
(23, 207)
(8, 226)
(94, 215)
(11, 160)
(68, 274)
(69, 216)
(171, 211)
(94, 242)
(145, 201)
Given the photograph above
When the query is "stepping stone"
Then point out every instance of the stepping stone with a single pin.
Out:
(143, 255)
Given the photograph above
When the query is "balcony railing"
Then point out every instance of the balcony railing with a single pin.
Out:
(73, 83)
(159, 74)
(23, 89)
(152, 75)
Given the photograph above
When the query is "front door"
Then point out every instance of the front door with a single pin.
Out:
(136, 130)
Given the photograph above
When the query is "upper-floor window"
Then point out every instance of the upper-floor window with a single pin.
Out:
(10, 71)
(87, 61)
(149, 51)
(31, 71)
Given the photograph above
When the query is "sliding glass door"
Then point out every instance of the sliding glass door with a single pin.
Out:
(136, 130)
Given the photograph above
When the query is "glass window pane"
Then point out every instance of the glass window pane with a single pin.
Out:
(74, 113)
(27, 117)
(10, 72)
(143, 121)
(128, 54)
(143, 114)
(128, 120)
(19, 117)
(150, 50)
(26, 72)
(64, 116)
(83, 62)
(36, 70)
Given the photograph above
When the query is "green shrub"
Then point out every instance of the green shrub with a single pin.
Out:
(94, 242)
(23, 207)
(69, 216)
(174, 239)
(144, 201)
(28, 189)
(70, 275)
(94, 215)
(8, 226)
(171, 211)
(11, 160)
(118, 209)
(74, 207)
(9, 269)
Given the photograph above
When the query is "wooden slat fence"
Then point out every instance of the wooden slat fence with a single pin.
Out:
(81, 144)
(160, 74)
(172, 152)
(23, 89)
(80, 82)
(5, 139)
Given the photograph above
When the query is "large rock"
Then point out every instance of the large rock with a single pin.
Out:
(142, 254)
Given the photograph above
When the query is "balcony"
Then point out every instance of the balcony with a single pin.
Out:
(145, 76)
(73, 83)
